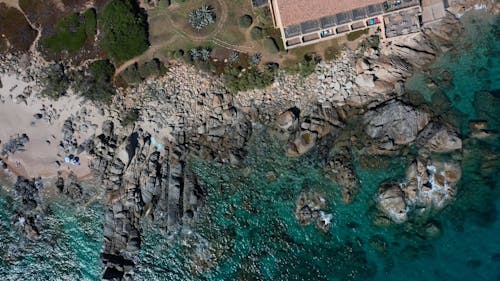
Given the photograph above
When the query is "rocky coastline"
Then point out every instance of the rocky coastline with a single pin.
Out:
(142, 171)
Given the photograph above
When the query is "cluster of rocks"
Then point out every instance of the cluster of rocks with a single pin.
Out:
(70, 186)
(27, 66)
(224, 135)
(28, 211)
(428, 187)
(140, 180)
(430, 182)
(305, 129)
(341, 170)
(309, 208)
(16, 143)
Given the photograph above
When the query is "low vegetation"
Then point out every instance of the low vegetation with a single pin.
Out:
(95, 83)
(245, 21)
(202, 17)
(72, 32)
(333, 52)
(17, 34)
(271, 46)
(125, 30)
(130, 117)
(357, 34)
(238, 79)
(306, 66)
(55, 81)
(137, 73)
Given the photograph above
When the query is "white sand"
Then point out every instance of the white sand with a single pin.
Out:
(39, 157)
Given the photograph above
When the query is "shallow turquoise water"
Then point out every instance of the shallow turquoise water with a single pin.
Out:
(68, 249)
(249, 232)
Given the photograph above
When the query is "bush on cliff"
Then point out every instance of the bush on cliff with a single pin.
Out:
(238, 80)
(137, 73)
(125, 30)
(55, 81)
(96, 82)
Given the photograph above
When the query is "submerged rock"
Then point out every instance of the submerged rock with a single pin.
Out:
(391, 200)
(310, 207)
(439, 138)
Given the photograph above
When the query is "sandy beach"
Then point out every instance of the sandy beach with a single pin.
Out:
(42, 155)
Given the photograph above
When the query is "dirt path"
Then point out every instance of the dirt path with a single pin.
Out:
(148, 54)
(212, 37)
(12, 3)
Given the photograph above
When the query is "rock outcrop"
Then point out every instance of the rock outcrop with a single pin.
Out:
(394, 124)
(309, 208)
(439, 138)
(141, 180)
(316, 125)
(28, 217)
(428, 187)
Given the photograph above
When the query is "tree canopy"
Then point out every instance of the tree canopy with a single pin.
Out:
(125, 30)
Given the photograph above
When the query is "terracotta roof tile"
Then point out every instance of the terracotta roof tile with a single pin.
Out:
(297, 11)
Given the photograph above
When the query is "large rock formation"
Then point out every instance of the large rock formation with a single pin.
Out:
(428, 187)
(394, 124)
(314, 126)
(141, 180)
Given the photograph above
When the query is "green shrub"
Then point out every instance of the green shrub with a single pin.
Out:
(96, 82)
(257, 33)
(131, 74)
(151, 68)
(130, 117)
(307, 65)
(356, 34)
(55, 81)
(125, 30)
(333, 52)
(237, 80)
(271, 46)
(72, 32)
(137, 73)
(245, 21)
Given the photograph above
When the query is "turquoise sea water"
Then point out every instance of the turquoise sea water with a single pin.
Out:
(248, 230)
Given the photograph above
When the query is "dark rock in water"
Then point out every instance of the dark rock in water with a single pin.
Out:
(432, 230)
(26, 192)
(341, 170)
(495, 257)
(487, 106)
(378, 243)
(473, 263)
(437, 137)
